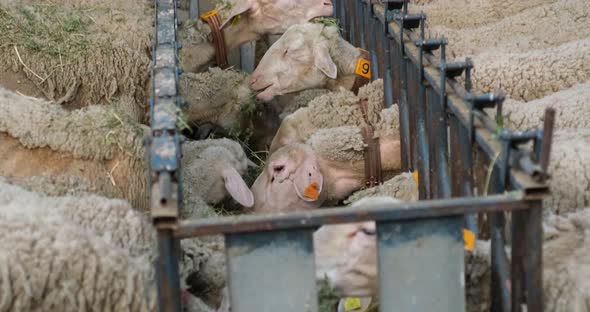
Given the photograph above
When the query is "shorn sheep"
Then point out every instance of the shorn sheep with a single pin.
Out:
(102, 147)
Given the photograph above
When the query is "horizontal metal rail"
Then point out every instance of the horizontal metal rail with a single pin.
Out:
(319, 217)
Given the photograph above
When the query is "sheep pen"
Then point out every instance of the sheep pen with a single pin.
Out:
(73, 165)
(79, 53)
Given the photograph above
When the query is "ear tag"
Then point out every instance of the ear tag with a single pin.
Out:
(469, 239)
(352, 303)
(363, 65)
(236, 19)
(209, 14)
(312, 191)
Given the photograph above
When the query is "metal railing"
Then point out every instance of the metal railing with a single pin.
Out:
(270, 260)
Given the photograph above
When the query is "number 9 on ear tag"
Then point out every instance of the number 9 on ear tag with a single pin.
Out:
(363, 68)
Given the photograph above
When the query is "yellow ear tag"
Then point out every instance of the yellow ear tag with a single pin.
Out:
(312, 191)
(415, 174)
(469, 239)
(236, 19)
(209, 14)
(352, 303)
(363, 68)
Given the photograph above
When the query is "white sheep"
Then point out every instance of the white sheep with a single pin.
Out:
(571, 109)
(403, 187)
(306, 56)
(566, 269)
(244, 21)
(76, 227)
(531, 75)
(103, 148)
(471, 14)
(336, 109)
(221, 98)
(569, 167)
(501, 29)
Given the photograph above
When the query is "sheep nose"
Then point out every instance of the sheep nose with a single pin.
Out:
(254, 79)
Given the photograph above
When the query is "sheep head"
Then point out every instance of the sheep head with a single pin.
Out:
(299, 60)
(346, 255)
(292, 180)
(275, 16)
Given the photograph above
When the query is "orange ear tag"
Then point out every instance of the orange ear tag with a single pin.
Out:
(312, 191)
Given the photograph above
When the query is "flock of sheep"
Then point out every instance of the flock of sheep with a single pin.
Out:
(74, 196)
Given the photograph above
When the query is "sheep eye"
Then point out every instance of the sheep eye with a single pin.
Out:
(278, 168)
(367, 231)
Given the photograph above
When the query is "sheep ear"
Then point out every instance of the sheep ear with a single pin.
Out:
(323, 60)
(237, 188)
(238, 7)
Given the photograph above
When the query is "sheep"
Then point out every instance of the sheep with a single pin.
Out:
(569, 168)
(64, 228)
(565, 272)
(469, 14)
(534, 74)
(244, 21)
(403, 187)
(571, 107)
(533, 29)
(76, 55)
(98, 144)
(308, 55)
(337, 109)
(329, 166)
(221, 98)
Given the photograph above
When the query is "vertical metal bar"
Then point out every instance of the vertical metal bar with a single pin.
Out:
(413, 84)
(431, 102)
(379, 46)
(533, 261)
(247, 56)
(501, 297)
(167, 272)
(440, 126)
(352, 22)
(366, 24)
(193, 9)
(361, 24)
(342, 19)
(423, 153)
(373, 43)
(519, 246)
(387, 83)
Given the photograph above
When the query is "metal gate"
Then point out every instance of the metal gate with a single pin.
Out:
(270, 261)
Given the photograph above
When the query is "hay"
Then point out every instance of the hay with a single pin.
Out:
(80, 53)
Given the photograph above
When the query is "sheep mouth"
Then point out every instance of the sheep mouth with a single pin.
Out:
(260, 90)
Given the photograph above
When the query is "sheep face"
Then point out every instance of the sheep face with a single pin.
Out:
(299, 60)
(347, 255)
(291, 181)
(275, 16)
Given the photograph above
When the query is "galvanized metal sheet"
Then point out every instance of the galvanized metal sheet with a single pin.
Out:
(421, 265)
(164, 153)
(247, 56)
(165, 81)
(164, 117)
(165, 56)
(166, 26)
(271, 271)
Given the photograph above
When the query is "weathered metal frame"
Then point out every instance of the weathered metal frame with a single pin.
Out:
(435, 108)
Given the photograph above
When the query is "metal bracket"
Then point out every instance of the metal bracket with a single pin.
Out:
(479, 103)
